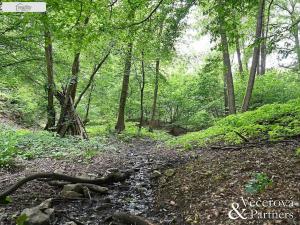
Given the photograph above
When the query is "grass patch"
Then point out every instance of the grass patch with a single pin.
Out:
(131, 131)
(32, 144)
(273, 121)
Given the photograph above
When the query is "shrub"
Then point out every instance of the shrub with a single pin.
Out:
(273, 121)
(258, 183)
(7, 146)
(31, 144)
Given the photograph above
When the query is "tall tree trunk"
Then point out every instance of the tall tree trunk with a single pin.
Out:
(297, 44)
(239, 54)
(156, 83)
(263, 53)
(265, 31)
(255, 57)
(75, 72)
(50, 81)
(264, 35)
(120, 126)
(142, 93)
(227, 69)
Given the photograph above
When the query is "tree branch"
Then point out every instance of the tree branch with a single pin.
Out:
(109, 179)
(92, 77)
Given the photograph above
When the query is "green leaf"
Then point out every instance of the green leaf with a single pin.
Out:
(21, 219)
(6, 200)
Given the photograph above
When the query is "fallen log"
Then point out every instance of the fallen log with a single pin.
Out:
(129, 219)
(108, 179)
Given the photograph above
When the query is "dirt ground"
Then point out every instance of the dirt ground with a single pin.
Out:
(134, 196)
(202, 191)
(200, 188)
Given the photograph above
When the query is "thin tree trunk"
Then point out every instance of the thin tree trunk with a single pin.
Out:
(246, 56)
(263, 52)
(86, 117)
(255, 58)
(239, 54)
(265, 32)
(120, 126)
(51, 114)
(154, 105)
(227, 70)
(258, 62)
(225, 96)
(142, 93)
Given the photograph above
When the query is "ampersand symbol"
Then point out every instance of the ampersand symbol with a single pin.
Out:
(234, 213)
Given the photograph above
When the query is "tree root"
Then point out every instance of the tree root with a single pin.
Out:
(109, 179)
(129, 219)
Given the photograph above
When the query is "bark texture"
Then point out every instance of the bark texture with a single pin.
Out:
(255, 58)
(297, 43)
(120, 126)
(227, 69)
(239, 54)
(51, 114)
(142, 87)
(155, 95)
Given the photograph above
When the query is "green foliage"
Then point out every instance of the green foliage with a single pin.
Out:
(31, 144)
(201, 120)
(7, 146)
(297, 152)
(6, 200)
(273, 121)
(259, 183)
(132, 131)
(273, 87)
(23, 104)
(21, 220)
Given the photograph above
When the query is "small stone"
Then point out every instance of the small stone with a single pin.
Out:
(216, 213)
(96, 188)
(49, 211)
(172, 203)
(169, 172)
(112, 170)
(92, 175)
(71, 194)
(46, 204)
(156, 174)
(73, 187)
(70, 223)
(185, 188)
(35, 216)
(59, 171)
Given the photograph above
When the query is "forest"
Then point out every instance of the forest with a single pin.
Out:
(150, 112)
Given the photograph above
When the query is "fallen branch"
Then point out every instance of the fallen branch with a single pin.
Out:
(109, 179)
(241, 136)
(129, 219)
